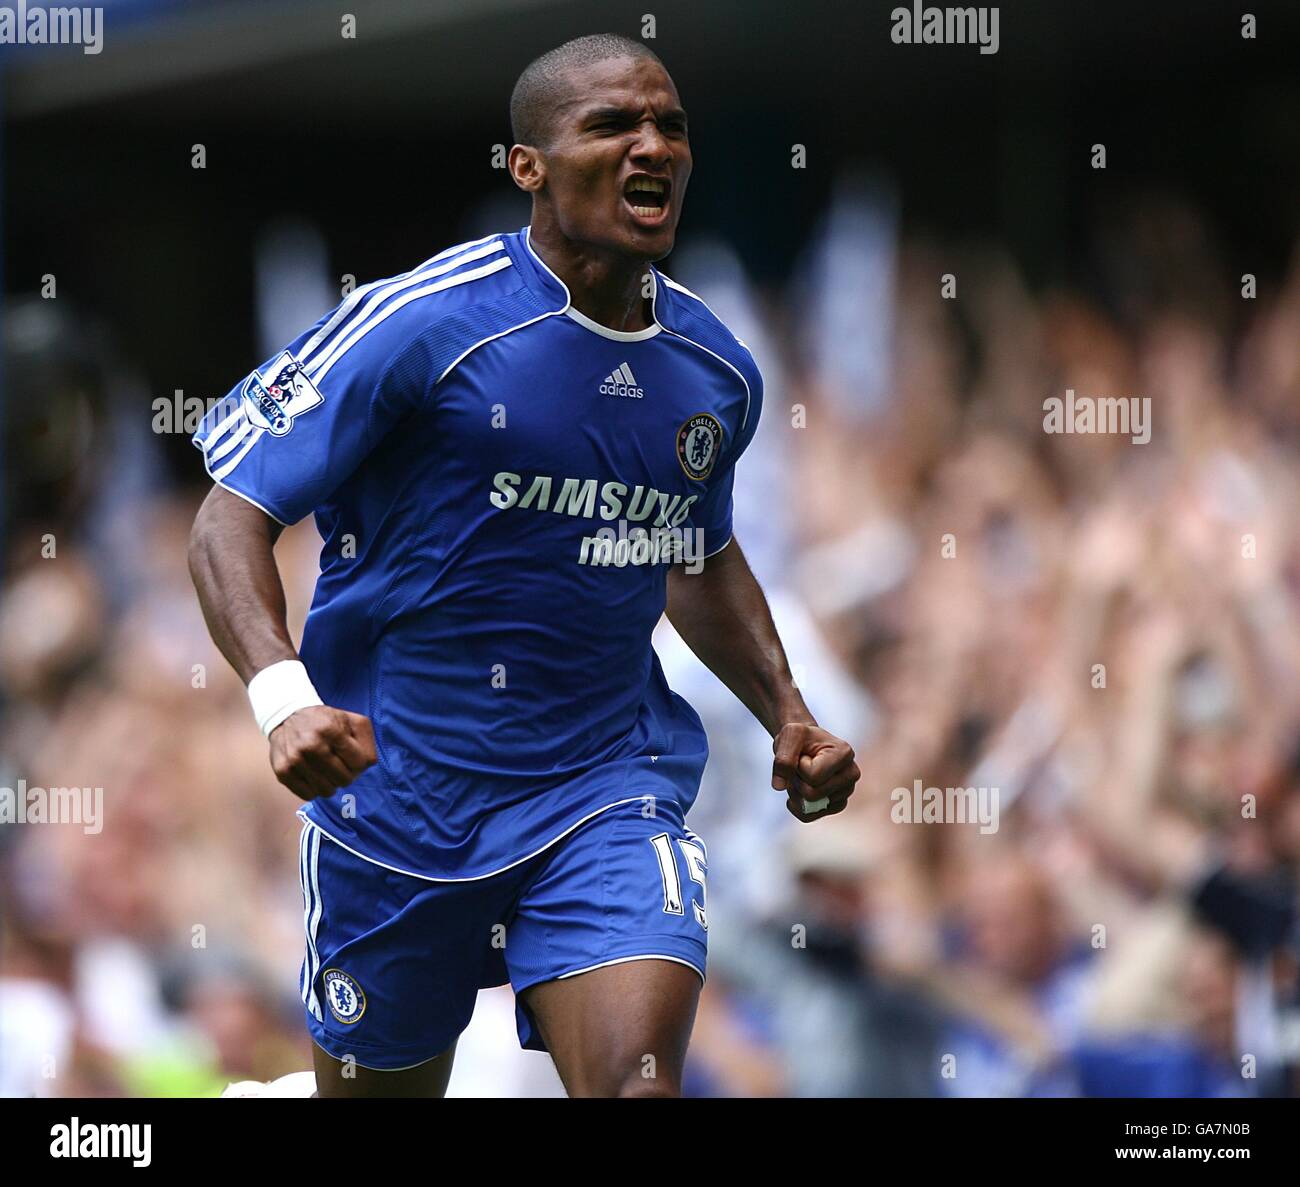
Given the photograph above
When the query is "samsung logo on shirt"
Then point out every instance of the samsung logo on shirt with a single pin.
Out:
(579, 496)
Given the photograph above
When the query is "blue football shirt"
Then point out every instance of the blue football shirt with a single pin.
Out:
(501, 485)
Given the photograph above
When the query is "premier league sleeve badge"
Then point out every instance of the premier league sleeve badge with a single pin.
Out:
(276, 398)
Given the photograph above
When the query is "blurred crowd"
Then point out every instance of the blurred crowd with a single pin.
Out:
(1104, 633)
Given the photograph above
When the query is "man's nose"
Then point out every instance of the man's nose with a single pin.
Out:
(651, 144)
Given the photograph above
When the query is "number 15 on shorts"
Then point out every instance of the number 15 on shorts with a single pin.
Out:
(695, 867)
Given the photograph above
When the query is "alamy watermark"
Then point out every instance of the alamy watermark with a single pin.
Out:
(24, 24)
(53, 805)
(103, 1139)
(946, 805)
(1129, 415)
(929, 25)
(179, 413)
(644, 546)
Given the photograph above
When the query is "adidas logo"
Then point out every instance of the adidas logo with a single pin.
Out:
(620, 382)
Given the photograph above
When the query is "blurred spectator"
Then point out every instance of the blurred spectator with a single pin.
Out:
(1103, 632)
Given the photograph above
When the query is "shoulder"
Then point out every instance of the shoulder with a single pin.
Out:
(436, 309)
(688, 316)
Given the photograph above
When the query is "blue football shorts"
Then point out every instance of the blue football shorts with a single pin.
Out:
(394, 962)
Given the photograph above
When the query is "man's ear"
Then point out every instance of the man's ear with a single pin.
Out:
(527, 168)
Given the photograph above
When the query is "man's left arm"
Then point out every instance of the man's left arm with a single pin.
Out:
(723, 617)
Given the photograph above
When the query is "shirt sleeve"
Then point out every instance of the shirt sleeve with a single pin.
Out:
(712, 514)
(289, 433)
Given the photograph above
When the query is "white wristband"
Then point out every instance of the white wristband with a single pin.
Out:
(280, 690)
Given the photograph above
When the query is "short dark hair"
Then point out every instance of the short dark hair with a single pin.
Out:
(542, 84)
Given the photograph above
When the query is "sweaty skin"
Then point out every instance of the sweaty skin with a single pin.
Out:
(621, 119)
(624, 121)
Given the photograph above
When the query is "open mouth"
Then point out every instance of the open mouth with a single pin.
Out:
(647, 197)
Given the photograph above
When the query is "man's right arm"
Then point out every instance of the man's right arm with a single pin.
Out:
(316, 749)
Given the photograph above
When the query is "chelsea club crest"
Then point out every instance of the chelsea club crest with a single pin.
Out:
(346, 1000)
(698, 443)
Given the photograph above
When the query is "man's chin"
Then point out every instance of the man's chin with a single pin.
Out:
(628, 238)
(651, 243)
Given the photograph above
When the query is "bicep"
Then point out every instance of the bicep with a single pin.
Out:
(711, 589)
(227, 512)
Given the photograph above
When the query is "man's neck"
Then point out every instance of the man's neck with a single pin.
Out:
(603, 285)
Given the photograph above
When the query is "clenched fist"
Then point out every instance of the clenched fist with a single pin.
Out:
(813, 767)
(317, 750)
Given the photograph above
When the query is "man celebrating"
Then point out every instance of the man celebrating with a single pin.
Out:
(519, 454)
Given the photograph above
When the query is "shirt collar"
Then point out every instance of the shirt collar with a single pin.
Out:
(555, 293)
